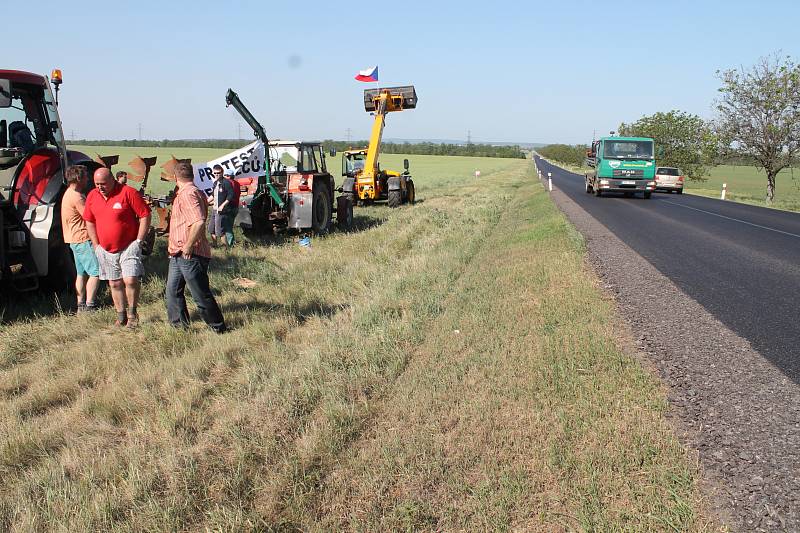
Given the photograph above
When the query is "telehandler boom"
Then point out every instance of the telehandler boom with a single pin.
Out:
(364, 178)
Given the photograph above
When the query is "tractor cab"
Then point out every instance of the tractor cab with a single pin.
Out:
(32, 147)
(33, 157)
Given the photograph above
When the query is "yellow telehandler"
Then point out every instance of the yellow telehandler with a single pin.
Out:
(363, 177)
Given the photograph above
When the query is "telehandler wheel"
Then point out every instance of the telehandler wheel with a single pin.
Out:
(411, 193)
(320, 209)
(395, 198)
(344, 212)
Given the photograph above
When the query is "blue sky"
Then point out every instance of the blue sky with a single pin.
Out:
(506, 71)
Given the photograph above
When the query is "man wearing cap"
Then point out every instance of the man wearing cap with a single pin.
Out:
(223, 208)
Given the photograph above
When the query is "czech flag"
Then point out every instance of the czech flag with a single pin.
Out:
(370, 74)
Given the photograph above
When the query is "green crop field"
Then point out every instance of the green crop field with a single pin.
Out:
(450, 365)
(748, 185)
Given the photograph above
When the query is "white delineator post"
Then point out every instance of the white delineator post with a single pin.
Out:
(550, 181)
(477, 173)
(724, 191)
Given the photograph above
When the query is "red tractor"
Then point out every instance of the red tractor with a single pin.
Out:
(33, 158)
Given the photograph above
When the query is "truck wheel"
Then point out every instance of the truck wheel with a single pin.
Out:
(679, 191)
(395, 198)
(598, 192)
(320, 209)
(411, 194)
(647, 195)
(588, 187)
(344, 212)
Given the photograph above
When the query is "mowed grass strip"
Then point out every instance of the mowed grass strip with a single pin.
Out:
(449, 366)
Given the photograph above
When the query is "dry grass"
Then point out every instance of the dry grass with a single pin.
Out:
(451, 366)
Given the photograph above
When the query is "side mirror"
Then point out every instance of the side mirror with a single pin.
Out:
(333, 152)
(5, 93)
(405, 164)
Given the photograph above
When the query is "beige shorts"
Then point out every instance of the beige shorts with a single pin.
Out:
(124, 264)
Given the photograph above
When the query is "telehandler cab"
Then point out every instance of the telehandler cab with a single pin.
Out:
(363, 177)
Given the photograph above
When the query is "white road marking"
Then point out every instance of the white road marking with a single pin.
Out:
(734, 219)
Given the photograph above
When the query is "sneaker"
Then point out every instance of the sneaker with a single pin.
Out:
(90, 308)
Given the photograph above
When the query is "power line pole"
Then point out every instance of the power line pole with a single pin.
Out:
(239, 129)
(140, 131)
(72, 134)
(469, 137)
(348, 134)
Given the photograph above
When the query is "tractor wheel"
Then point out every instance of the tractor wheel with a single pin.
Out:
(60, 268)
(320, 209)
(411, 193)
(344, 212)
(260, 225)
(395, 198)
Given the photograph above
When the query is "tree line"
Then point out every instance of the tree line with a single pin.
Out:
(423, 148)
(565, 153)
(757, 122)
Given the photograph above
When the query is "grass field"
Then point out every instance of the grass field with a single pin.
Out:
(450, 365)
(749, 185)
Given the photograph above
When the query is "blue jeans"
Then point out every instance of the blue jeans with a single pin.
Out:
(194, 273)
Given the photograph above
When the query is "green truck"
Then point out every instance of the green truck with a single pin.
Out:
(623, 165)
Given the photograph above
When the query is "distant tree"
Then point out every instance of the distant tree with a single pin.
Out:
(564, 153)
(682, 140)
(759, 114)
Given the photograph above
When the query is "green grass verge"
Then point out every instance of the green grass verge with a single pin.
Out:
(748, 185)
(448, 365)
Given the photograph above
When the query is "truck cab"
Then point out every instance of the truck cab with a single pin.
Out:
(621, 165)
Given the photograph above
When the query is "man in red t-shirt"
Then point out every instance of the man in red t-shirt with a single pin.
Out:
(117, 219)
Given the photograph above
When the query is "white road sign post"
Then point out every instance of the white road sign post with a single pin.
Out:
(550, 181)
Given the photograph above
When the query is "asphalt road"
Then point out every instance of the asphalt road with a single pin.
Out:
(740, 262)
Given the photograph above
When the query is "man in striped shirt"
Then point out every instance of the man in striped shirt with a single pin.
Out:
(189, 255)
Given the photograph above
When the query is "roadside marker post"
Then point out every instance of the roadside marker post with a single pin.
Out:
(550, 181)
(724, 191)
